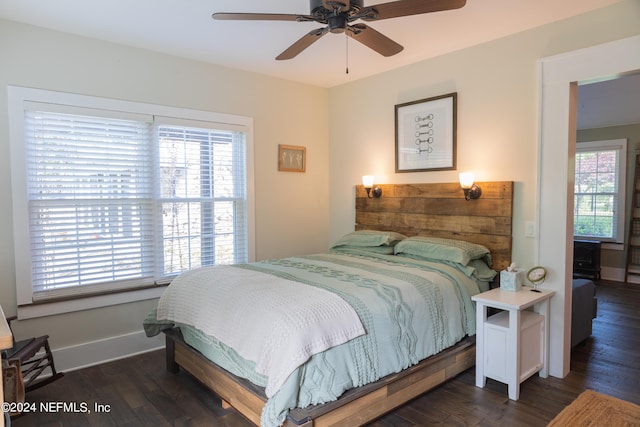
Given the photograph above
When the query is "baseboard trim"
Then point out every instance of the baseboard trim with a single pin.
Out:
(106, 350)
(612, 273)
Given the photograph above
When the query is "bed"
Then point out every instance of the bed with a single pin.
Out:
(414, 258)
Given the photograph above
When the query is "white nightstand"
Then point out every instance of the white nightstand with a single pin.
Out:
(514, 344)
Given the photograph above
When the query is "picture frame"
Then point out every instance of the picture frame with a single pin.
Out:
(426, 133)
(292, 158)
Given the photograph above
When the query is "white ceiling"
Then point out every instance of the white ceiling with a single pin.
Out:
(185, 28)
(609, 103)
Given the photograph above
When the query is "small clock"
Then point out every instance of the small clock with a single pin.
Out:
(536, 276)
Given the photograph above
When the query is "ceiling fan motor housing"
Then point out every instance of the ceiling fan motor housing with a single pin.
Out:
(337, 23)
(318, 6)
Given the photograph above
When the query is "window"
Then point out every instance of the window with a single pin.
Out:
(599, 195)
(117, 197)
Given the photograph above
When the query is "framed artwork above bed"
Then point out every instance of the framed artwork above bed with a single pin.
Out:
(426, 134)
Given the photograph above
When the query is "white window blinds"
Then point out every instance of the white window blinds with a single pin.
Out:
(90, 203)
(119, 204)
(202, 197)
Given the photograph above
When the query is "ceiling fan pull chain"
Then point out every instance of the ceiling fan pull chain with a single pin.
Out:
(346, 38)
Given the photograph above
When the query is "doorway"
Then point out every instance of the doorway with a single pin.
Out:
(610, 111)
(558, 108)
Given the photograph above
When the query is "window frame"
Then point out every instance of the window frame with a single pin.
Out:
(620, 145)
(18, 100)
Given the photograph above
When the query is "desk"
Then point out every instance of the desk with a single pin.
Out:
(514, 344)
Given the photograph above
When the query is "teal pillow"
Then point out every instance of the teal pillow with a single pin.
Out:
(385, 250)
(482, 270)
(369, 238)
(438, 249)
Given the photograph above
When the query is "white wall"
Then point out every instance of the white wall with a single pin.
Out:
(498, 121)
(291, 208)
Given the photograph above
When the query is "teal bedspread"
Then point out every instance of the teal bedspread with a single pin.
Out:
(410, 309)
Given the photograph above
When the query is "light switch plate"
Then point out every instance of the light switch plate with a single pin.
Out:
(530, 229)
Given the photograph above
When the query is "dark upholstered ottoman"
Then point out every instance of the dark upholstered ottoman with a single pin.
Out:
(584, 308)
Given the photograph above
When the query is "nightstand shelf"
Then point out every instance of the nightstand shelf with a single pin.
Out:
(513, 344)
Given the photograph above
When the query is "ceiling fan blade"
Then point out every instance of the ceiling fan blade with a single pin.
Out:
(400, 8)
(261, 17)
(374, 39)
(303, 43)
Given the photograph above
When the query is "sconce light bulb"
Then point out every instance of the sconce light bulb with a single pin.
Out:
(372, 192)
(466, 179)
(471, 190)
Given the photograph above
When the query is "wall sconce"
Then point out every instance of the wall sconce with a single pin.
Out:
(471, 190)
(367, 182)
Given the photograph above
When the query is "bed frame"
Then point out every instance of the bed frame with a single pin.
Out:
(438, 210)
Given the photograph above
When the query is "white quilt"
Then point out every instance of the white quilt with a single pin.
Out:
(303, 320)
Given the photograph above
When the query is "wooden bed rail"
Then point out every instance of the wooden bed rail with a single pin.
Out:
(354, 408)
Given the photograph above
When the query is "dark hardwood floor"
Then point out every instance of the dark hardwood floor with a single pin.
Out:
(139, 392)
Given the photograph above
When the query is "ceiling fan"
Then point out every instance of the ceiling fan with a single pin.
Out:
(338, 15)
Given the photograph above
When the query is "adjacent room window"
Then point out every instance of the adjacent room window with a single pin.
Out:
(599, 195)
(118, 197)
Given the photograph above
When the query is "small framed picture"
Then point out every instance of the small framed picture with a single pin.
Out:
(426, 134)
(292, 158)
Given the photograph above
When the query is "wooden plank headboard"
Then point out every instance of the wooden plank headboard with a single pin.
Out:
(440, 210)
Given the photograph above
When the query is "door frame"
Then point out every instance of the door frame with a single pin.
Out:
(559, 77)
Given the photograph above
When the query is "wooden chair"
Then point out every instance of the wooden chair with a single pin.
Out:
(35, 357)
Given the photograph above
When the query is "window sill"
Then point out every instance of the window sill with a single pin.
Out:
(51, 308)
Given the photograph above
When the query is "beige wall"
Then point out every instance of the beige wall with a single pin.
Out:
(497, 86)
(291, 208)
